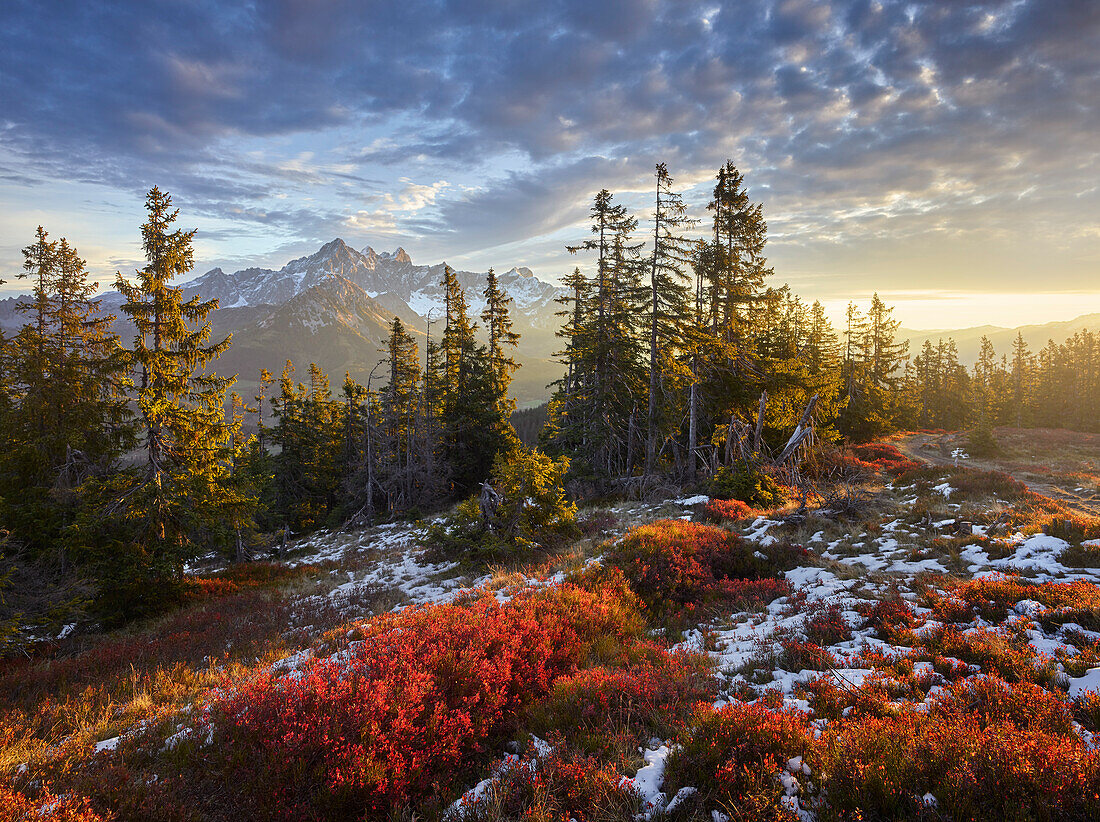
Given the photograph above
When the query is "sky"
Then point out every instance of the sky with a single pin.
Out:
(944, 154)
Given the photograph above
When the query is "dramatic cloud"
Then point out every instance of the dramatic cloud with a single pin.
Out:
(872, 129)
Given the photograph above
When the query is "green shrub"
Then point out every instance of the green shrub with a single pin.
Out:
(749, 485)
(533, 513)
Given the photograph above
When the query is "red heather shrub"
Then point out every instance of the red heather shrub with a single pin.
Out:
(979, 766)
(727, 510)
(893, 620)
(1073, 527)
(752, 593)
(242, 626)
(239, 576)
(800, 655)
(677, 568)
(827, 626)
(15, 807)
(733, 757)
(562, 785)
(411, 706)
(1086, 710)
(651, 697)
(993, 598)
(842, 464)
(884, 457)
(992, 700)
(1010, 658)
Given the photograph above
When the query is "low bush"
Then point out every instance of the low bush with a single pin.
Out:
(884, 457)
(841, 464)
(16, 807)
(994, 597)
(679, 568)
(750, 485)
(827, 626)
(394, 719)
(986, 752)
(532, 512)
(559, 785)
(599, 708)
(733, 758)
(727, 510)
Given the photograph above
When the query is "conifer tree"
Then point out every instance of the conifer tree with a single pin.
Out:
(400, 402)
(498, 326)
(182, 490)
(472, 433)
(670, 300)
(67, 419)
(610, 361)
(1021, 367)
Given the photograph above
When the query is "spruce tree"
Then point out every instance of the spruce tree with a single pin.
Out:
(183, 490)
(498, 326)
(610, 363)
(670, 300)
(400, 404)
(472, 434)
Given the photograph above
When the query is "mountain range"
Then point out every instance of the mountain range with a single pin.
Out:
(968, 340)
(334, 308)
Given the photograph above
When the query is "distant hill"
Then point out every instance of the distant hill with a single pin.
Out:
(968, 340)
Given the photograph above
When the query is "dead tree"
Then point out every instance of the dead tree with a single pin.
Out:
(488, 503)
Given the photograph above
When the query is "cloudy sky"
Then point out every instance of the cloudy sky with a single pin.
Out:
(946, 154)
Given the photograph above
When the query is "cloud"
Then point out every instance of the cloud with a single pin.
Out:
(857, 120)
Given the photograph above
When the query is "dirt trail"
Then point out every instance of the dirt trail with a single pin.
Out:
(937, 449)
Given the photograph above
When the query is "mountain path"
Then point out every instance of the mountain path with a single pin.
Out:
(936, 449)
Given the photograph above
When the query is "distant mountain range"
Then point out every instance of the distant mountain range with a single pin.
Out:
(334, 308)
(969, 340)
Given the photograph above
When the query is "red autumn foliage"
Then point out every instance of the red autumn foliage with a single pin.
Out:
(884, 457)
(733, 756)
(241, 576)
(563, 784)
(728, 510)
(993, 597)
(679, 568)
(409, 707)
(653, 696)
(988, 751)
(15, 807)
(826, 626)
(893, 620)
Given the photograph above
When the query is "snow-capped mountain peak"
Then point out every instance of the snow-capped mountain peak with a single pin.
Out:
(389, 273)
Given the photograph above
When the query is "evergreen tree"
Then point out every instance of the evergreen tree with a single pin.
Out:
(66, 418)
(182, 492)
(472, 431)
(498, 325)
(669, 302)
(400, 404)
(1022, 364)
(609, 363)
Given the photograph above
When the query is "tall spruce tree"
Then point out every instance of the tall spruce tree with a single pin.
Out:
(669, 301)
(67, 419)
(609, 364)
(497, 317)
(472, 435)
(182, 495)
(400, 405)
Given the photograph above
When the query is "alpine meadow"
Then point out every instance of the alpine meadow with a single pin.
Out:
(720, 440)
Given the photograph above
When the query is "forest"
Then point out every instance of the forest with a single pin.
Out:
(122, 461)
